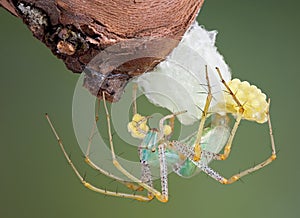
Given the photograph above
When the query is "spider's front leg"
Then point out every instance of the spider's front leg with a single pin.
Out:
(164, 133)
(153, 146)
(197, 146)
(254, 108)
(186, 151)
(245, 101)
(264, 163)
(150, 150)
(160, 196)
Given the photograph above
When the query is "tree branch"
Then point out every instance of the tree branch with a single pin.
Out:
(76, 31)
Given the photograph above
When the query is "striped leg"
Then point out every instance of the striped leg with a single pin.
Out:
(189, 153)
(146, 176)
(163, 171)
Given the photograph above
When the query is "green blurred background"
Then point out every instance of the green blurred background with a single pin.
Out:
(260, 42)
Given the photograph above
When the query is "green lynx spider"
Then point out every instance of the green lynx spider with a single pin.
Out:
(185, 156)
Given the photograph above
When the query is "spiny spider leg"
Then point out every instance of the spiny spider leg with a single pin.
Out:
(197, 148)
(82, 179)
(257, 111)
(162, 128)
(227, 148)
(163, 170)
(134, 91)
(264, 163)
(146, 176)
(116, 163)
(188, 152)
(138, 123)
(151, 143)
(239, 117)
(129, 185)
(240, 113)
(164, 136)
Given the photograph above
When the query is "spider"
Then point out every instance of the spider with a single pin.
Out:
(191, 155)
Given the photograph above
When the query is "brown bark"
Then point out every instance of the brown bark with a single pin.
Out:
(76, 31)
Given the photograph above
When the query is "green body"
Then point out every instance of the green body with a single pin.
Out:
(213, 140)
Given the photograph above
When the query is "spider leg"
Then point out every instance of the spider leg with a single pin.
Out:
(164, 133)
(146, 176)
(239, 117)
(189, 153)
(227, 148)
(170, 117)
(264, 163)
(116, 163)
(163, 171)
(197, 147)
(129, 185)
(233, 131)
(86, 183)
(237, 176)
(138, 125)
(134, 91)
(146, 171)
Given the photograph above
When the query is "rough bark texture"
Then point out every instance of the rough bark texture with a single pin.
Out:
(77, 31)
